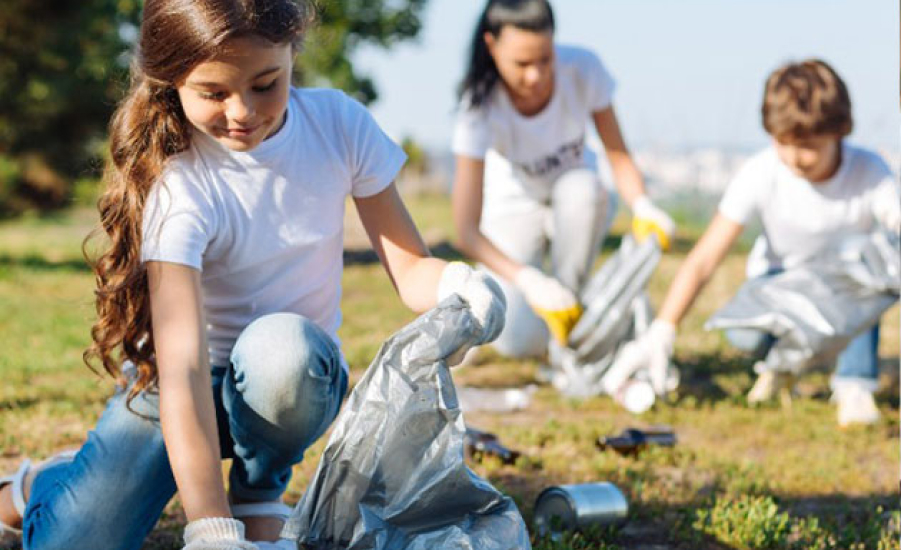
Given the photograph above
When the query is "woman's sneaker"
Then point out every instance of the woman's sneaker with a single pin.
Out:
(856, 405)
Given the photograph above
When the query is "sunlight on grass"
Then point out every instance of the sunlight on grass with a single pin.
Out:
(740, 477)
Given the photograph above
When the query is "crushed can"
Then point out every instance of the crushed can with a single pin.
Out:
(576, 507)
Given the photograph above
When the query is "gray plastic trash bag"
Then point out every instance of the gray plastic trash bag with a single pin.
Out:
(816, 309)
(392, 475)
(617, 310)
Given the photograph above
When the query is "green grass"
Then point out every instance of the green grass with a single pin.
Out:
(740, 477)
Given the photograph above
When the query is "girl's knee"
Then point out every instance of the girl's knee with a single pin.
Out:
(282, 347)
(285, 366)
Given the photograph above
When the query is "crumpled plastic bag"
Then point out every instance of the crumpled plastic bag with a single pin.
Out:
(617, 310)
(392, 475)
(816, 309)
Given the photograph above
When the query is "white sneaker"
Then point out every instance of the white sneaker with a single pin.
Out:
(769, 384)
(856, 405)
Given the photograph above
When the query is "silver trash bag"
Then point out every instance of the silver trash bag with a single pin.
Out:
(617, 310)
(392, 475)
(816, 309)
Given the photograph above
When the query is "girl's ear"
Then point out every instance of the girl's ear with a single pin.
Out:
(490, 41)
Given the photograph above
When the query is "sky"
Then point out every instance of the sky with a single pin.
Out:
(689, 73)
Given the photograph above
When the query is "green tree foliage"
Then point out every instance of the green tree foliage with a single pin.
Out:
(63, 66)
(344, 25)
(61, 70)
(417, 158)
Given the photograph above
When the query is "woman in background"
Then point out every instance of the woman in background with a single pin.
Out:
(523, 186)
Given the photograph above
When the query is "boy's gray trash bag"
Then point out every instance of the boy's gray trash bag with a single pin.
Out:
(617, 310)
(392, 475)
(816, 309)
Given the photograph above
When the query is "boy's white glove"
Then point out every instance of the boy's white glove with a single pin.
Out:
(647, 219)
(651, 351)
(216, 534)
(484, 296)
(552, 301)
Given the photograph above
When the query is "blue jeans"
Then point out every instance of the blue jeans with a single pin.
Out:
(280, 393)
(857, 364)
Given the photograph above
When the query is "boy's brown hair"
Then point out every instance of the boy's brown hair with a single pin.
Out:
(806, 99)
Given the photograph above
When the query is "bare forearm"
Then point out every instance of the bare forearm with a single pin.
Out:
(627, 178)
(478, 247)
(187, 417)
(418, 282)
(689, 281)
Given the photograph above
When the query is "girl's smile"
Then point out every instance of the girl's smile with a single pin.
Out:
(239, 98)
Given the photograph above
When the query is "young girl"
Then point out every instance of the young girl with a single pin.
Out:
(221, 285)
(523, 180)
(809, 189)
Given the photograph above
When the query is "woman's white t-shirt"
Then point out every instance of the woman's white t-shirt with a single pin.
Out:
(265, 227)
(800, 218)
(525, 155)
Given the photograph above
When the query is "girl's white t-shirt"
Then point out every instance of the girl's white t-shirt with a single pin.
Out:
(800, 218)
(265, 227)
(525, 155)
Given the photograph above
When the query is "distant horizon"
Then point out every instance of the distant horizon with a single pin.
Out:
(663, 101)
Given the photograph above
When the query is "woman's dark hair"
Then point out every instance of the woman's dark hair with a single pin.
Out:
(481, 74)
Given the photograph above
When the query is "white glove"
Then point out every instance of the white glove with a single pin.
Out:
(552, 301)
(216, 534)
(484, 296)
(647, 219)
(651, 351)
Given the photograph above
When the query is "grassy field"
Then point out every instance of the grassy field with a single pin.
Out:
(777, 476)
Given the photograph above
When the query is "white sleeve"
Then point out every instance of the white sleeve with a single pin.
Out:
(375, 159)
(599, 83)
(178, 223)
(741, 200)
(886, 201)
(472, 137)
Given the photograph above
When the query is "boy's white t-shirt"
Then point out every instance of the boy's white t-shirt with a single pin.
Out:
(265, 227)
(525, 155)
(800, 218)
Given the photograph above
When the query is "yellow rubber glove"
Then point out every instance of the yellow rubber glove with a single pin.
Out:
(560, 322)
(553, 302)
(648, 220)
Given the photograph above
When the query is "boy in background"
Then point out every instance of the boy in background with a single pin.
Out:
(809, 188)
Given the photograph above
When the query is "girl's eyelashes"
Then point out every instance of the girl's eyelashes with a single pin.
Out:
(220, 96)
(212, 96)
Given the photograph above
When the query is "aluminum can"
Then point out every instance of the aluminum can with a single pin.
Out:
(576, 507)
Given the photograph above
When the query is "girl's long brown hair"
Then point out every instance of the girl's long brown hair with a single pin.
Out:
(148, 127)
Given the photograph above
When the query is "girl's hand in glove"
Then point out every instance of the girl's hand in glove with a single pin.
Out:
(652, 351)
(552, 301)
(216, 534)
(484, 296)
(647, 220)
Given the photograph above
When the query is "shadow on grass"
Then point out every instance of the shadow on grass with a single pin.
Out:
(703, 376)
(39, 263)
(889, 375)
(365, 256)
(714, 377)
(446, 250)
